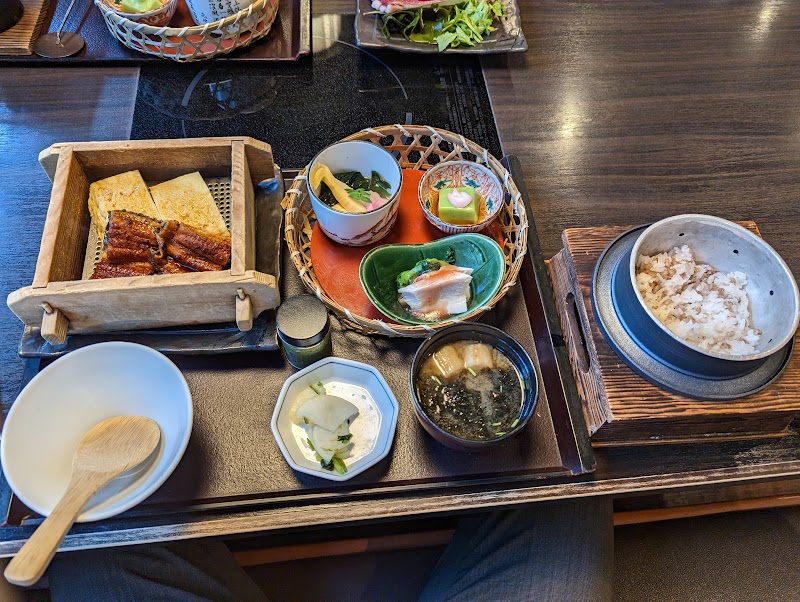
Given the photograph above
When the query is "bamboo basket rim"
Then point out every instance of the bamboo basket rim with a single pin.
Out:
(189, 30)
(513, 205)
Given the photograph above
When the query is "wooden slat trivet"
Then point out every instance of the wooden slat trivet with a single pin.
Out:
(622, 408)
(18, 41)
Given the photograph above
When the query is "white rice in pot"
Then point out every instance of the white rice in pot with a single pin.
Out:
(700, 304)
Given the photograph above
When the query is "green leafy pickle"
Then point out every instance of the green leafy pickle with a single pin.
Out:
(421, 267)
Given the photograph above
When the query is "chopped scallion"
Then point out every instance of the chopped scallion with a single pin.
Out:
(471, 371)
(339, 465)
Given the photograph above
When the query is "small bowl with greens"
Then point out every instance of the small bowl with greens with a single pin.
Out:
(354, 188)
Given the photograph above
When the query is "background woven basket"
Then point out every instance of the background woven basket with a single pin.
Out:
(419, 147)
(197, 43)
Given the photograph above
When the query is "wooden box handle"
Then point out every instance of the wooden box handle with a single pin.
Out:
(54, 325)
(575, 332)
(244, 311)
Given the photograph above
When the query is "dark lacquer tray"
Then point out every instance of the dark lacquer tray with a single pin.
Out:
(289, 39)
(232, 460)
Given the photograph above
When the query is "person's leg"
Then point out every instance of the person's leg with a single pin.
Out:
(554, 551)
(185, 571)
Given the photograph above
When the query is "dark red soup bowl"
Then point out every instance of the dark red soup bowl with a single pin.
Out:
(504, 344)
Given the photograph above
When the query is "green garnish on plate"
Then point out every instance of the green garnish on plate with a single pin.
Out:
(463, 24)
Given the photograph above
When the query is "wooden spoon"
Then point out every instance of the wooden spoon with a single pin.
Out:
(106, 451)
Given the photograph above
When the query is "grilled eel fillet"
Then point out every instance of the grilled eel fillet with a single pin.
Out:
(137, 245)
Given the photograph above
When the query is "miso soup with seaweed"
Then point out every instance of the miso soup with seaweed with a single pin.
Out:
(471, 390)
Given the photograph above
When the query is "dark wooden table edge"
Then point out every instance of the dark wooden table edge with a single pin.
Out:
(403, 507)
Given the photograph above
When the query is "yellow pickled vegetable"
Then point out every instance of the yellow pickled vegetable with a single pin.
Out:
(339, 189)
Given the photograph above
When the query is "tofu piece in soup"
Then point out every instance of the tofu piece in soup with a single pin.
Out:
(448, 361)
(478, 356)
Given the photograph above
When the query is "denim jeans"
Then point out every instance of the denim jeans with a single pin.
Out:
(555, 551)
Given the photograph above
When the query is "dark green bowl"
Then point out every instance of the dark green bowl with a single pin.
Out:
(381, 265)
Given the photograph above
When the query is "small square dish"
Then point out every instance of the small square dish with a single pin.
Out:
(372, 429)
(507, 38)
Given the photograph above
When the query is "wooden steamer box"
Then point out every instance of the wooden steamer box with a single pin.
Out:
(63, 303)
(621, 407)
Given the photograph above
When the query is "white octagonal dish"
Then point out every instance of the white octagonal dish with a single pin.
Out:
(373, 429)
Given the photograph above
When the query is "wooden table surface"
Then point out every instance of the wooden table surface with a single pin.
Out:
(620, 112)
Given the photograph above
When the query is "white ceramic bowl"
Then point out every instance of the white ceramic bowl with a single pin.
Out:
(454, 174)
(373, 429)
(210, 11)
(357, 229)
(66, 399)
(157, 18)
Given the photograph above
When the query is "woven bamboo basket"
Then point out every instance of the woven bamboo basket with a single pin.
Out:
(419, 147)
(197, 43)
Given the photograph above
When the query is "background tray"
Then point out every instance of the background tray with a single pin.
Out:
(507, 38)
(233, 461)
(289, 39)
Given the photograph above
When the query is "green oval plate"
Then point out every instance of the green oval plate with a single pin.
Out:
(379, 269)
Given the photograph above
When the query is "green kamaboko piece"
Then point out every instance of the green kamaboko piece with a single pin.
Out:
(459, 206)
(139, 6)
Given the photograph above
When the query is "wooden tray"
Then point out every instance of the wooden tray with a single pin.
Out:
(201, 338)
(232, 462)
(622, 408)
(61, 303)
